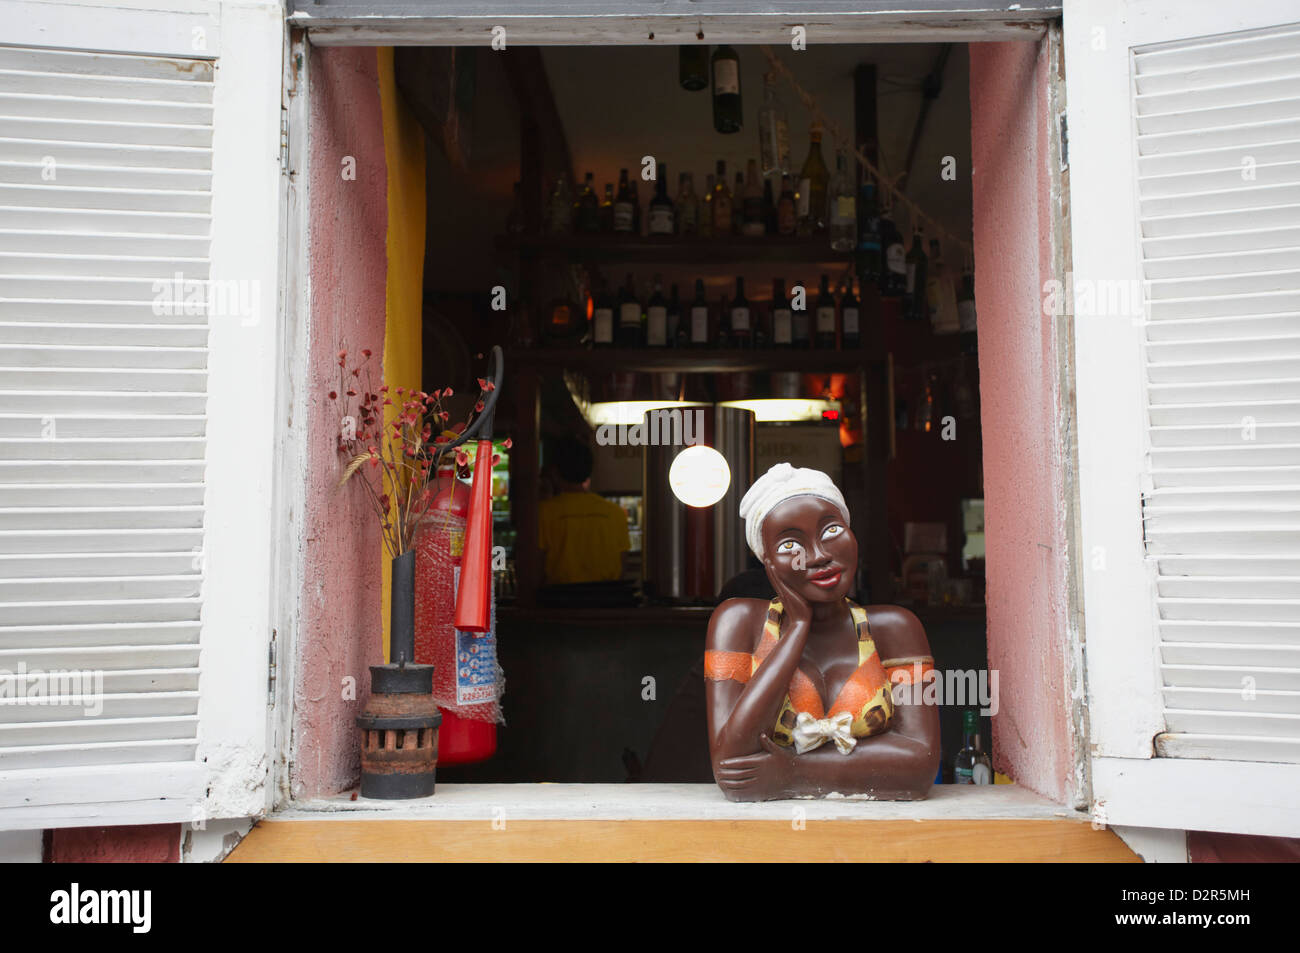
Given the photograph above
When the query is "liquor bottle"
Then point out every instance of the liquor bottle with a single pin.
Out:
(636, 208)
(782, 323)
(588, 206)
(727, 113)
(966, 312)
(705, 225)
(631, 332)
(785, 208)
(868, 258)
(688, 206)
(812, 186)
(699, 330)
(676, 326)
(826, 336)
(693, 67)
(914, 307)
(893, 274)
(724, 321)
(656, 317)
(738, 204)
(721, 203)
(561, 209)
(607, 209)
(662, 214)
(843, 211)
(972, 765)
(752, 226)
(623, 204)
(801, 334)
(773, 131)
(963, 395)
(739, 324)
(769, 208)
(602, 316)
(925, 416)
(940, 296)
(850, 320)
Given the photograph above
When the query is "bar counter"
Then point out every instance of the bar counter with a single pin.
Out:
(612, 695)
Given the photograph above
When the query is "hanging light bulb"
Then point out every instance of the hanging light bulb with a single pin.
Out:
(699, 476)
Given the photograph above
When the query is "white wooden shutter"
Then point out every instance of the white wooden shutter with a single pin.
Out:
(105, 197)
(137, 412)
(1184, 129)
(1218, 174)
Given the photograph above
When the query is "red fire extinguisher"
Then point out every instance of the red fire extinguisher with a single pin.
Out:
(453, 619)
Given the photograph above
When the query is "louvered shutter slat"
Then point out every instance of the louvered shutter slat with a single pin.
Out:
(1218, 142)
(105, 214)
(189, 249)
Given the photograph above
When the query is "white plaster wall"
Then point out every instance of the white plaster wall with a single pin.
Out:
(214, 841)
(20, 847)
(1155, 845)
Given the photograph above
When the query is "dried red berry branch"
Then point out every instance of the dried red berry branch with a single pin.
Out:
(396, 462)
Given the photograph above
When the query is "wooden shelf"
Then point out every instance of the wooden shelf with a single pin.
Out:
(693, 360)
(669, 249)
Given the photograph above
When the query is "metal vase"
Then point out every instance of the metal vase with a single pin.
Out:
(399, 724)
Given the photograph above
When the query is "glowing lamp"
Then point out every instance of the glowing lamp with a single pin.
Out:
(699, 476)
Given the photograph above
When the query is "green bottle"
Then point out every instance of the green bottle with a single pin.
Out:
(972, 765)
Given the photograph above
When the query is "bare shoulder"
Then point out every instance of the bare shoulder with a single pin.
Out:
(897, 632)
(736, 625)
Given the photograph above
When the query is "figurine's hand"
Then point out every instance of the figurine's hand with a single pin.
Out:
(797, 609)
(756, 777)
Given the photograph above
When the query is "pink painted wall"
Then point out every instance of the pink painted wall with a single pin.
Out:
(340, 622)
(1021, 412)
(138, 844)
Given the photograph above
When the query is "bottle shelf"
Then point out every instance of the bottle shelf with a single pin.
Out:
(694, 360)
(672, 249)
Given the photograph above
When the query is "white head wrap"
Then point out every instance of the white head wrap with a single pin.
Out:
(781, 483)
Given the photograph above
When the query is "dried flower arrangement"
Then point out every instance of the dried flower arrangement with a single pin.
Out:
(396, 462)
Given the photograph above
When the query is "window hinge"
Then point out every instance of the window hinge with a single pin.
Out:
(1065, 143)
(284, 140)
(270, 672)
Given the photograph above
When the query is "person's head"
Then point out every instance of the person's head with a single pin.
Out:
(573, 461)
(797, 523)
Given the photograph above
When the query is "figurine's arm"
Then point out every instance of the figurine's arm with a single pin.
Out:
(739, 712)
(900, 763)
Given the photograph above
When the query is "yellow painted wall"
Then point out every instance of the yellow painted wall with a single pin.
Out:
(404, 152)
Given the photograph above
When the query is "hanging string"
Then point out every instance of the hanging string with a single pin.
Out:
(841, 143)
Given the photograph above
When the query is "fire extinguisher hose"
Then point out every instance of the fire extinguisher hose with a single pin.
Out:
(474, 598)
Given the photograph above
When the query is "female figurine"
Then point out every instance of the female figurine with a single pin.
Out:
(799, 689)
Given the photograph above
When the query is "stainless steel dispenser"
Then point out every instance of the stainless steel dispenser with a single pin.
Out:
(688, 553)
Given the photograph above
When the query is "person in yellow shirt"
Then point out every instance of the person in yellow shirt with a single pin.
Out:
(583, 536)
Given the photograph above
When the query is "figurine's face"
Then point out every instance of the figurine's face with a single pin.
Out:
(814, 551)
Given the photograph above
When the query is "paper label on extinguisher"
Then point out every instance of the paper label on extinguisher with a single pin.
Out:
(476, 661)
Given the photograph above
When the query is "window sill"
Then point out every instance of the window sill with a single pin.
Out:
(670, 822)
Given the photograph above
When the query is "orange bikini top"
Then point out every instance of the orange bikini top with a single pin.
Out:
(866, 695)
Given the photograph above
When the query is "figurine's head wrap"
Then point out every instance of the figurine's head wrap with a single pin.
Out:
(781, 483)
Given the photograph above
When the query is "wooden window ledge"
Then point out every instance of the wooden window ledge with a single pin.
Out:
(676, 822)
